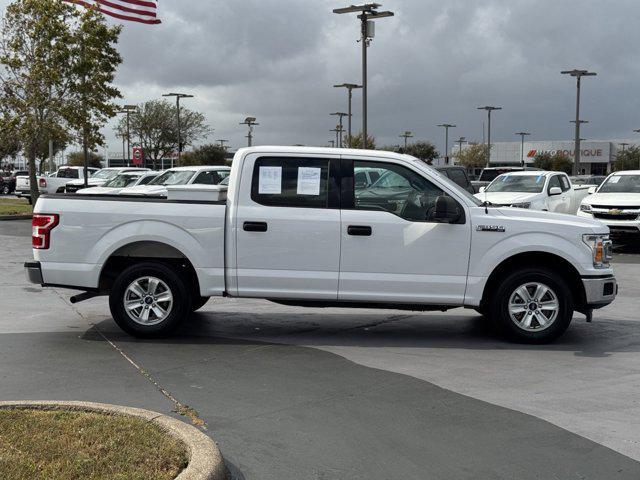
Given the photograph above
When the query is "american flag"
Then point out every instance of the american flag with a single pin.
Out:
(142, 11)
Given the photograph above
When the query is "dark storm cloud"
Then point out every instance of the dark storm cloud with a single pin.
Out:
(433, 62)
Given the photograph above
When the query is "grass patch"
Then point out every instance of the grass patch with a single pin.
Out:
(14, 206)
(67, 445)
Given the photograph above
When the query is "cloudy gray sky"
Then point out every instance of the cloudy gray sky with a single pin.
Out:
(433, 62)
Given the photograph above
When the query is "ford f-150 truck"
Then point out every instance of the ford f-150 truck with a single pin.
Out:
(295, 229)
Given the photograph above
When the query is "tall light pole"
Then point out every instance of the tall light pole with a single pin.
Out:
(578, 74)
(332, 143)
(406, 135)
(368, 13)
(624, 145)
(460, 141)
(340, 115)
(250, 122)
(350, 87)
(128, 110)
(338, 131)
(222, 142)
(489, 109)
(522, 135)
(178, 97)
(446, 127)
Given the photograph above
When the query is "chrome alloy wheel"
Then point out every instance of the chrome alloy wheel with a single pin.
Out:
(148, 301)
(533, 307)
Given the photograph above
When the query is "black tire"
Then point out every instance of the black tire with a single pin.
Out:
(559, 288)
(180, 308)
(199, 302)
(6, 190)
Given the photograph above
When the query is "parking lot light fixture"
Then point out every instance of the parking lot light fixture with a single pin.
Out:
(250, 122)
(178, 97)
(367, 13)
(624, 145)
(406, 135)
(128, 110)
(522, 135)
(578, 74)
(340, 116)
(350, 88)
(489, 109)
(446, 127)
(222, 141)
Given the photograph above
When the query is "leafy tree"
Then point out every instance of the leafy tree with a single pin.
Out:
(76, 159)
(558, 162)
(474, 156)
(58, 65)
(627, 160)
(9, 144)
(355, 141)
(155, 125)
(425, 151)
(209, 154)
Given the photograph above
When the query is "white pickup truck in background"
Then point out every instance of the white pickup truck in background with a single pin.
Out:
(53, 183)
(616, 203)
(540, 190)
(295, 229)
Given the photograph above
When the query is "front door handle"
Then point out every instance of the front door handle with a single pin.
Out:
(359, 230)
(254, 226)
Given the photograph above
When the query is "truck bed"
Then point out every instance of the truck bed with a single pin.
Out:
(116, 225)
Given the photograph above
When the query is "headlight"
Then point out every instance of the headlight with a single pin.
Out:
(600, 246)
(521, 205)
(585, 207)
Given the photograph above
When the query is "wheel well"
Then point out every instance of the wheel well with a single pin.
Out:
(145, 251)
(538, 259)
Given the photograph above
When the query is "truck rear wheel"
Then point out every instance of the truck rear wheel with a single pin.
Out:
(149, 299)
(533, 305)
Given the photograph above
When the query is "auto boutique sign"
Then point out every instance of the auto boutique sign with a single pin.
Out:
(590, 152)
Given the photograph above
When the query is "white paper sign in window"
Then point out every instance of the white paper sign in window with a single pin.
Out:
(309, 181)
(270, 181)
(615, 179)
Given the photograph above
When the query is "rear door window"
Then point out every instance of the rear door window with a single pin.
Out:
(291, 182)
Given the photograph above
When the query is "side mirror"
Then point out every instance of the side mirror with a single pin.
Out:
(447, 210)
(592, 190)
(482, 189)
(555, 191)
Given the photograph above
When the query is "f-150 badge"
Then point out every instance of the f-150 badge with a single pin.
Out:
(490, 228)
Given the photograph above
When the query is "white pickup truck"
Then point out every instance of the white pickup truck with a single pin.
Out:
(294, 229)
(540, 190)
(54, 183)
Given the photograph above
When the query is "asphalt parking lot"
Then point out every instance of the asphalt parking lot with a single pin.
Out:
(293, 393)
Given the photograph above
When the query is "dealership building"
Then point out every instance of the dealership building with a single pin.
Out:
(596, 156)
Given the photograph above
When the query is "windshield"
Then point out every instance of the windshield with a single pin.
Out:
(105, 174)
(122, 181)
(490, 175)
(517, 183)
(621, 184)
(175, 177)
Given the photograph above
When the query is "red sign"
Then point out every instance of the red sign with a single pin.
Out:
(138, 156)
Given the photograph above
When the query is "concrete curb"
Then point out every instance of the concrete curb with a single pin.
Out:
(205, 460)
(6, 218)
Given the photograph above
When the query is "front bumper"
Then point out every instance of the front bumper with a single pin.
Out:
(599, 290)
(33, 272)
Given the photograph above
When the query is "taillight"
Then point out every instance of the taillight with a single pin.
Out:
(42, 224)
(43, 183)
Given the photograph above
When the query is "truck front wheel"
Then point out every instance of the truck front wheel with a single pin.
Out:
(149, 299)
(533, 305)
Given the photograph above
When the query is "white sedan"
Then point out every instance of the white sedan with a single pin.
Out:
(536, 190)
(199, 175)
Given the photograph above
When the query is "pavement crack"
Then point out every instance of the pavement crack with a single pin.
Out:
(178, 407)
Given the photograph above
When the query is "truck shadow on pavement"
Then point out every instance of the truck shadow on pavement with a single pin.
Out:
(602, 338)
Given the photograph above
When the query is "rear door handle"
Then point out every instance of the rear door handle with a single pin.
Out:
(254, 226)
(359, 230)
